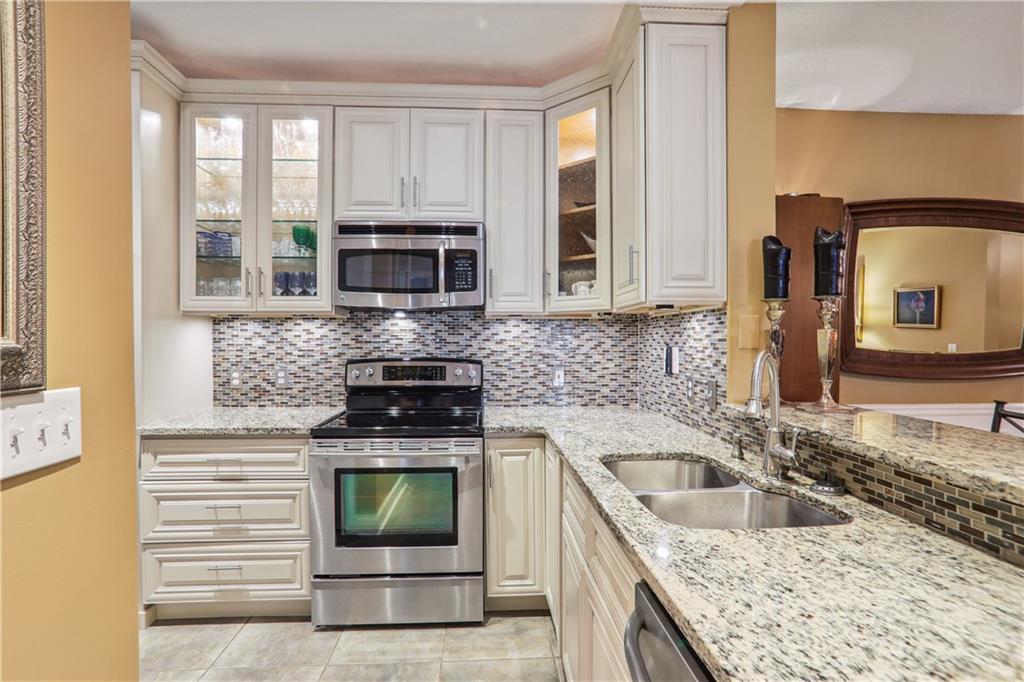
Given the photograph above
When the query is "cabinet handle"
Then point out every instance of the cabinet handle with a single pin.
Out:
(223, 506)
(490, 283)
(224, 460)
(490, 473)
(248, 282)
(402, 193)
(632, 252)
(415, 191)
(547, 283)
(236, 567)
(260, 283)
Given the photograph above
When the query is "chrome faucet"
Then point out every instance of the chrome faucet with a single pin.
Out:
(777, 457)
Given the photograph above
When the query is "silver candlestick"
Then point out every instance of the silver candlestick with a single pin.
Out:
(828, 346)
(776, 337)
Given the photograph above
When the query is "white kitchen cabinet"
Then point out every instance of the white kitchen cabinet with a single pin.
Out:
(515, 212)
(447, 164)
(402, 164)
(575, 617)
(670, 176)
(218, 207)
(578, 206)
(629, 234)
(515, 518)
(553, 533)
(255, 208)
(371, 162)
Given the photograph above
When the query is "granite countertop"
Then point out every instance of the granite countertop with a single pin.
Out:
(878, 598)
(240, 421)
(985, 462)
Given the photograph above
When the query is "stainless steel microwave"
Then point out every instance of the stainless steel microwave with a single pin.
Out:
(403, 265)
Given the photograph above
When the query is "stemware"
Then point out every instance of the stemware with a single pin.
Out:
(311, 283)
(280, 283)
(296, 282)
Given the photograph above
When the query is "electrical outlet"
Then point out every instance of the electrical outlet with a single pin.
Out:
(558, 377)
(282, 378)
(235, 379)
(689, 388)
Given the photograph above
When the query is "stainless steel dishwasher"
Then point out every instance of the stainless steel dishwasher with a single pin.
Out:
(655, 649)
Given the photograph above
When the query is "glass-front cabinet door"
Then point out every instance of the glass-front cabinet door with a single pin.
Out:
(577, 208)
(293, 272)
(218, 193)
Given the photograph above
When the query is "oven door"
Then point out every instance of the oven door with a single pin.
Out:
(397, 507)
(408, 272)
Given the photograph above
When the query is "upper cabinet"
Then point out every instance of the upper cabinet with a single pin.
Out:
(515, 212)
(401, 164)
(255, 207)
(577, 211)
(670, 175)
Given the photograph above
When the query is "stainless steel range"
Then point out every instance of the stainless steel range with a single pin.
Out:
(397, 496)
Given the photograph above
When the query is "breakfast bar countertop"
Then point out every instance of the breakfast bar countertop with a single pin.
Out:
(877, 598)
(240, 422)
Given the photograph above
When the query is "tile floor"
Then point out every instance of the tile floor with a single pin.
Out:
(507, 648)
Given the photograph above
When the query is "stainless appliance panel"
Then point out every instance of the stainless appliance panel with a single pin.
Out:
(464, 557)
(655, 649)
(380, 601)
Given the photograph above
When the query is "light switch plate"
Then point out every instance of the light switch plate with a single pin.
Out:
(39, 430)
(558, 377)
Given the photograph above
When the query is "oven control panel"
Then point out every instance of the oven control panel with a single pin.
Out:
(426, 372)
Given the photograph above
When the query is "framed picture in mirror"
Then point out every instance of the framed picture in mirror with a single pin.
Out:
(23, 233)
(916, 307)
(898, 321)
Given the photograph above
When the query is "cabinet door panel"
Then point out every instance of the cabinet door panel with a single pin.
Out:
(294, 208)
(447, 162)
(629, 234)
(686, 163)
(578, 206)
(371, 163)
(218, 207)
(515, 520)
(552, 533)
(574, 602)
(515, 211)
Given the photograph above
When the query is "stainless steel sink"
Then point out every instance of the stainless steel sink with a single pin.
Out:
(656, 475)
(743, 508)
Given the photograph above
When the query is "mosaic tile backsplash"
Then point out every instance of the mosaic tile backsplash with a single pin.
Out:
(519, 355)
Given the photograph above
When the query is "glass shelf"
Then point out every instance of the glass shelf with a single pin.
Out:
(313, 257)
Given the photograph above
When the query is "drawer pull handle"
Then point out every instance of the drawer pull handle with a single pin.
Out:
(236, 567)
(223, 506)
(224, 460)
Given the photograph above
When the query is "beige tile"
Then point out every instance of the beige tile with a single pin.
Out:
(184, 647)
(291, 673)
(509, 670)
(388, 645)
(267, 644)
(170, 675)
(500, 637)
(413, 671)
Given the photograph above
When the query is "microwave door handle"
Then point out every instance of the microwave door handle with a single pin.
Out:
(440, 273)
(631, 640)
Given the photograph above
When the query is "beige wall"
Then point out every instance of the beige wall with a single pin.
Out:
(981, 275)
(751, 160)
(867, 155)
(69, 532)
(175, 350)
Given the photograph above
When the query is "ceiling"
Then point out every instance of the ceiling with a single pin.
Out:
(386, 42)
(937, 57)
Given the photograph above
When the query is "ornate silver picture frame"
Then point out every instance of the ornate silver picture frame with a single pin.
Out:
(23, 243)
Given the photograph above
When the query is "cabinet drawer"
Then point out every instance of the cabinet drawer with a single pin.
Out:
(190, 511)
(239, 572)
(223, 459)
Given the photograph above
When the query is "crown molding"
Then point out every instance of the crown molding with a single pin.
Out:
(146, 59)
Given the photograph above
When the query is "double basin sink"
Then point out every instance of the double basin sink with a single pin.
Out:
(697, 494)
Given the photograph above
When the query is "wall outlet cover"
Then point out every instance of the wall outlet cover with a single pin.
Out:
(235, 379)
(282, 377)
(558, 377)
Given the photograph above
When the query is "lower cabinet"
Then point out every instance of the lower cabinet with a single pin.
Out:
(553, 533)
(515, 517)
(597, 593)
(224, 524)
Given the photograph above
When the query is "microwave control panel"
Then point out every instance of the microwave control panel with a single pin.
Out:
(461, 270)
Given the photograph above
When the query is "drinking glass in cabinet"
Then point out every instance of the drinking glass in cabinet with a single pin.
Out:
(295, 204)
(577, 204)
(218, 205)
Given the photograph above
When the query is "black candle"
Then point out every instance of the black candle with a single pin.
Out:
(828, 262)
(776, 267)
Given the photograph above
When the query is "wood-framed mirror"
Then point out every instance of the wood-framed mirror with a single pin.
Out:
(935, 289)
(23, 238)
